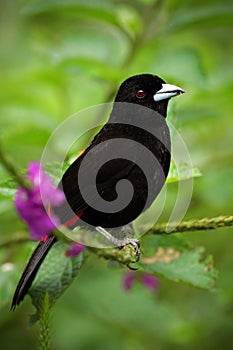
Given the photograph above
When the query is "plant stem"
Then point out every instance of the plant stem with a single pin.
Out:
(148, 17)
(18, 239)
(12, 170)
(137, 43)
(126, 255)
(195, 225)
(44, 335)
(123, 256)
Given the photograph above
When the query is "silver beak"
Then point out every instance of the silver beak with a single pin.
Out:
(167, 92)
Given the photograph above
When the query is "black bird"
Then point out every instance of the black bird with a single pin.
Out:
(136, 143)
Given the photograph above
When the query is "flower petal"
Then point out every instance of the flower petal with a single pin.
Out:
(30, 204)
(150, 281)
(128, 280)
(75, 249)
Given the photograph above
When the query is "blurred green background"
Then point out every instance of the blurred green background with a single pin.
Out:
(58, 57)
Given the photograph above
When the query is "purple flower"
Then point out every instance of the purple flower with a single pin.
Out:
(31, 203)
(148, 280)
(128, 280)
(75, 249)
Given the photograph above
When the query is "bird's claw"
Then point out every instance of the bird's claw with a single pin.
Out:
(132, 268)
(121, 243)
(135, 244)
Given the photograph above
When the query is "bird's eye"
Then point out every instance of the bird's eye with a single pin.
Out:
(140, 94)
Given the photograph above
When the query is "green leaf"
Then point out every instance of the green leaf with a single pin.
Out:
(202, 15)
(173, 258)
(182, 172)
(8, 277)
(54, 170)
(8, 188)
(103, 11)
(94, 66)
(129, 19)
(55, 275)
(190, 64)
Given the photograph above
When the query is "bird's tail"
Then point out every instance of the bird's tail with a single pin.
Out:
(31, 270)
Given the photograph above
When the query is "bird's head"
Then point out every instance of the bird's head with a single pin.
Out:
(148, 90)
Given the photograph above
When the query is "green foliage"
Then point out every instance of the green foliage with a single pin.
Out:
(8, 277)
(182, 172)
(8, 188)
(55, 275)
(172, 257)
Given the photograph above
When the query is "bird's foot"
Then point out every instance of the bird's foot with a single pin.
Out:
(134, 243)
(121, 243)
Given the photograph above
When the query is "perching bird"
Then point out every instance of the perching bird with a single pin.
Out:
(132, 147)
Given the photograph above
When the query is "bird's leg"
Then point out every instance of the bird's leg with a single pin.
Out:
(120, 243)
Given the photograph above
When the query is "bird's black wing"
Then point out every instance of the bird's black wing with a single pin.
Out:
(96, 180)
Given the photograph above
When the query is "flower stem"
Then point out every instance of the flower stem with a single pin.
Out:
(12, 170)
(195, 225)
(44, 324)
